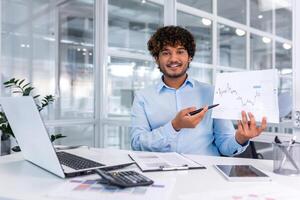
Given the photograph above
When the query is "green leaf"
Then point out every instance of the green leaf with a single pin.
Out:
(27, 91)
(56, 136)
(9, 81)
(24, 86)
(20, 83)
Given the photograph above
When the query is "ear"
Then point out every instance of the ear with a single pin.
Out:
(190, 59)
(156, 59)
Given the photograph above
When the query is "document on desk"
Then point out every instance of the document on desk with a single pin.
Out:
(153, 161)
(251, 91)
(82, 189)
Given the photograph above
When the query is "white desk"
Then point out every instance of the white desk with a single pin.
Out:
(20, 179)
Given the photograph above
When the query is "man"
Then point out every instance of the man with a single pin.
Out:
(160, 114)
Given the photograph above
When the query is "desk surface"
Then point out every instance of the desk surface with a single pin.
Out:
(20, 179)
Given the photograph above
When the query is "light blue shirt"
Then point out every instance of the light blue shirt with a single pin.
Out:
(154, 108)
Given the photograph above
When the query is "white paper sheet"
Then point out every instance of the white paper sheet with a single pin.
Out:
(272, 191)
(154, 161)
(82, 189)
(253, 91)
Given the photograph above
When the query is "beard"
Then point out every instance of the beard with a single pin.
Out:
(173, 75)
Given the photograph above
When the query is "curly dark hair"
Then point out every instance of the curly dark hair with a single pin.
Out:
(172, 36)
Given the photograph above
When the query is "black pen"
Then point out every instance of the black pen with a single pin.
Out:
(200, 109)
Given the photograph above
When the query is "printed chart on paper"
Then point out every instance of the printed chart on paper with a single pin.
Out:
(252, 91)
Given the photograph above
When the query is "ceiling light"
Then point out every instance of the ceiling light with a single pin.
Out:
(286, 46)
(121, 70)
(83, 49)
(240, 32)
(206, 22)
(143, 1)
(266, 40)
(78, 49)
(260, 16)
(23, 45)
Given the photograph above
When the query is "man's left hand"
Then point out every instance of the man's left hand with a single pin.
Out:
(247, 129)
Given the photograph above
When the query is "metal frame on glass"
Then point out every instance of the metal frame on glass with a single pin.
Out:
(102, 51)
(296, 63)
(170, 9)
(116, 52)
(246, 27)
(53, 123)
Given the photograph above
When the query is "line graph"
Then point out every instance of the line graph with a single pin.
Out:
(254, 91)
(244, 101)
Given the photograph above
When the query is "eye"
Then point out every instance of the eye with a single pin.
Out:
(181, 51)
(165, 53)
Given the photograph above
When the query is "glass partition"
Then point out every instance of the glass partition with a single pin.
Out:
(50, 44)
(132, 22)
(283, 58)
(205, 5)
(261, 15)
(75, 135)
(76, 70)
(201, 28)
(234, 10)
(117, 137)
(260, 52)
(201, 74)
(125, 76)
(231, 46)
(283, 18)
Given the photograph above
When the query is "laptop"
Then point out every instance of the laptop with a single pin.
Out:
(36, 147)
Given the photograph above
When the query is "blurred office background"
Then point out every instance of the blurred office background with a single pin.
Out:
(92, 55)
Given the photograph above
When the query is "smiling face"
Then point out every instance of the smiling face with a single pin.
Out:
(173, 62)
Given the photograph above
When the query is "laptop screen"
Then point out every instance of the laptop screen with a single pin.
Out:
(30, 132)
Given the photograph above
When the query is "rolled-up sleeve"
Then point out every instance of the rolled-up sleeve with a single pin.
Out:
(143, 138)
(225, 141)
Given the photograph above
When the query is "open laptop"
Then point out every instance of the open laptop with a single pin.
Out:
(33, 139)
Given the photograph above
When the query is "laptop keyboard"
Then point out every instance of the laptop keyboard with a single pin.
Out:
(76, 162)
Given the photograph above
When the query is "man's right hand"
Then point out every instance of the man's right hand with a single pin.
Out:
(184, 120)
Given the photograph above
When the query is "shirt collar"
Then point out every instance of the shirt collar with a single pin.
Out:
(161, 85)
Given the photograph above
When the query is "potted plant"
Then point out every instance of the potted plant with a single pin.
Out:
(24, 89)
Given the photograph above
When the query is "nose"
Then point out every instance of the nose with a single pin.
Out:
(173, 57)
